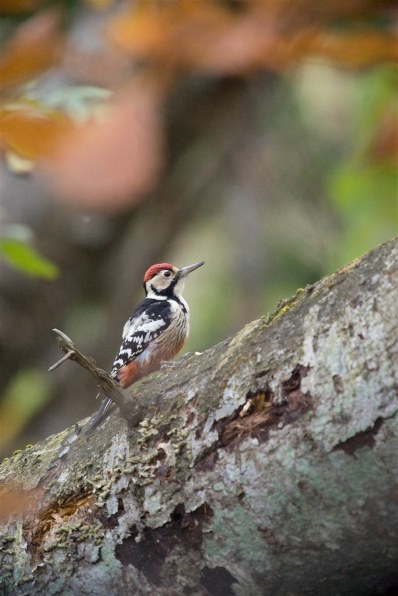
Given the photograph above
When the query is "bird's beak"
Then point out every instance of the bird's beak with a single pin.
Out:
(183, 272)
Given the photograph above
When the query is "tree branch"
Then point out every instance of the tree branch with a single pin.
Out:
(266, 465)
(105, 383)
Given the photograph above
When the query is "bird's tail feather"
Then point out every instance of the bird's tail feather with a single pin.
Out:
(103, 412)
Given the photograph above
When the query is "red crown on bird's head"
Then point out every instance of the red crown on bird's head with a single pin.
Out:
(154, 269)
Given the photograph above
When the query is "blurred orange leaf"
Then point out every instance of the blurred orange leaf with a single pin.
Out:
(356, 48)
(34, 47)
(209, 36)
(170, 31)
(110, 164)
(147, 33)
(30, 132)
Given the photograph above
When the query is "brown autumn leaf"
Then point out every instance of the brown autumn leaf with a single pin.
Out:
(164, 33)
(355, 48)
(30, 132)
(34, 47)
(152, 34)
(111, 164)
(208, 36)
(205, 36)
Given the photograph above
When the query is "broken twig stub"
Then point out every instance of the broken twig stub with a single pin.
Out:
(105, 383)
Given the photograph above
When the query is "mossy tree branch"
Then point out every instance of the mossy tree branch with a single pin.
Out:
(266, 465)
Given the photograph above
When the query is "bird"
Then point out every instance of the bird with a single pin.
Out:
(155, 331)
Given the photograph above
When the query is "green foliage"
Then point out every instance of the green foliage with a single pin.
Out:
(25, 396)
(26, 259)
(364, 197)
(363, 189)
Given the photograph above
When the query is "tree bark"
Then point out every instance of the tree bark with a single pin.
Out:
(266, 465)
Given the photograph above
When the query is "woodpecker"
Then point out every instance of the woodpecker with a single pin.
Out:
(156, 330)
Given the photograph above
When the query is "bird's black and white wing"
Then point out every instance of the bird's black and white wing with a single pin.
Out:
(148, 320)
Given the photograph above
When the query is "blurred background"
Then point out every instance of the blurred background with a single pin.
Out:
(258, 136)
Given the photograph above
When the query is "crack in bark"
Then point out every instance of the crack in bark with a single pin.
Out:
(217, 580)
(365, 438)
(260, 412)
(49, 517)
(258, 415)
(152, 550)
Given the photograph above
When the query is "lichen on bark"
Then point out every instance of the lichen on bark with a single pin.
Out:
(265, 465)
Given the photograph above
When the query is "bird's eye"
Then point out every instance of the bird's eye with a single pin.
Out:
(167, 273)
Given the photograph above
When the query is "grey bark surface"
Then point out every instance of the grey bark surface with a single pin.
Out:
(266, 465)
